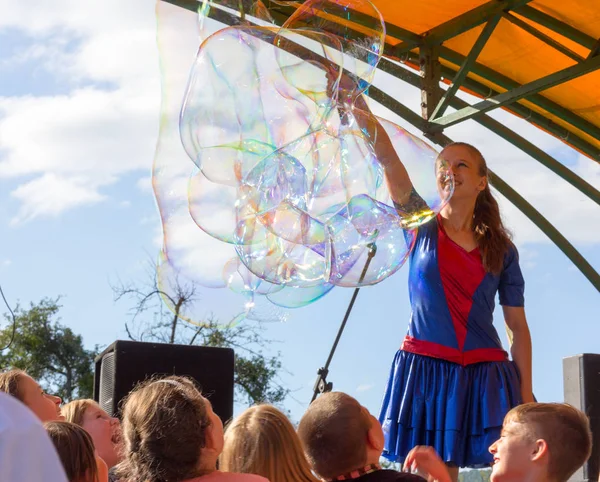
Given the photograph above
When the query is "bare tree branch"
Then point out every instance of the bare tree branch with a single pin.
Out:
(256, 375)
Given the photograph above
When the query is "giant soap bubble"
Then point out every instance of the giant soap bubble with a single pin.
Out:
(285, 177)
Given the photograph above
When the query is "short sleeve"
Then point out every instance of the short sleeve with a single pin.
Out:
(511, 288)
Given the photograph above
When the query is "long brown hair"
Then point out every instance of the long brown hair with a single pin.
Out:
(75, 450)
(492, 237)
(262, 441)
(164, 430)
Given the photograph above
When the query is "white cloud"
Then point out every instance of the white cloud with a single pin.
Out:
(365, 387)
(528, 257)
(6, 262)
(86, 139)
(50, 195)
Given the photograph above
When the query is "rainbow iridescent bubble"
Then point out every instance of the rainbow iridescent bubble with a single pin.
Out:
(285, 180)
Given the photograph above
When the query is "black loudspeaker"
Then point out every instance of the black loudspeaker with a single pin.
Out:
(124, 364)
(582, 390)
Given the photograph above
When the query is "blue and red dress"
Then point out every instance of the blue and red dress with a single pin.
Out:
(451, 382)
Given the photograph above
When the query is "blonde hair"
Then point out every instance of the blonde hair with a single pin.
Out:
(75, 410)
(75, 449)
(164, 430)
(263, 441)
(565, 429)
(10, 381)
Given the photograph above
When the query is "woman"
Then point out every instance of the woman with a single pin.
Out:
(171, 432)
(451, 383)
(262, 441)
(104, 429)
(76, 452)
(24, 388)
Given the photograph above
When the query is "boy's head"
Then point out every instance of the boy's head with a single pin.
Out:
(339, 435)
(544, 441)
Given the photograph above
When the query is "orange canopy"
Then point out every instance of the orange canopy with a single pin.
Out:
(539, 59)
(530, 41)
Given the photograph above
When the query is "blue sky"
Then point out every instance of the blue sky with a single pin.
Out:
(79, 117)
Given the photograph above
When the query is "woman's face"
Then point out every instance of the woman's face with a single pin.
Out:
(105, 432)
(464, 165)
(45, 406)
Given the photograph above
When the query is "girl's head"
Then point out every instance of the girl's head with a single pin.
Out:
(170, 432)
(104, 429)
(471, 185)
(262, 441)
(75, 450)
(21, 386)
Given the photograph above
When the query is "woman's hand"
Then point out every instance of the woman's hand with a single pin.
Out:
(426, 460)
(347, 89)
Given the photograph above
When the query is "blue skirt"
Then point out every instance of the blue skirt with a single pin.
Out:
(454, 409)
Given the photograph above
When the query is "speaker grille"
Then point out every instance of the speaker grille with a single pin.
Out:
(107, 383)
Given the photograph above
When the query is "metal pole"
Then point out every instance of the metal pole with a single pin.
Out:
(321, 384)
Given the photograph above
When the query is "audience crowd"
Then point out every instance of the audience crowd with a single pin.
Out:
(169, 432)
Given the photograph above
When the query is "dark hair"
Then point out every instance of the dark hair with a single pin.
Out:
(492, 237)
(75, 450)
(334, 432)
(565, 429)
(9, 383)
(164, 428)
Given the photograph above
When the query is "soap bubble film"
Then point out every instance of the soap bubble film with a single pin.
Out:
(282, 196)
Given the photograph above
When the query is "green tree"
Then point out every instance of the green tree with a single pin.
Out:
(48, 351)
(256, 374)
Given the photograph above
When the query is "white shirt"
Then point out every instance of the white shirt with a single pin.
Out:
(26, 451)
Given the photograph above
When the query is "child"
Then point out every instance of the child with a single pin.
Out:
(540, 442)
(344, 442)
(24, 388)
(104, 429)
(76, 451)
(262, 441)
(171, 432)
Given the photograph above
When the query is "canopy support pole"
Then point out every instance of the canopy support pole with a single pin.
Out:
(457, 81)
(520, 92)
(458, 25)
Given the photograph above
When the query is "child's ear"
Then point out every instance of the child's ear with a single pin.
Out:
(540, 450)
(374, 440)
(209, 437)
